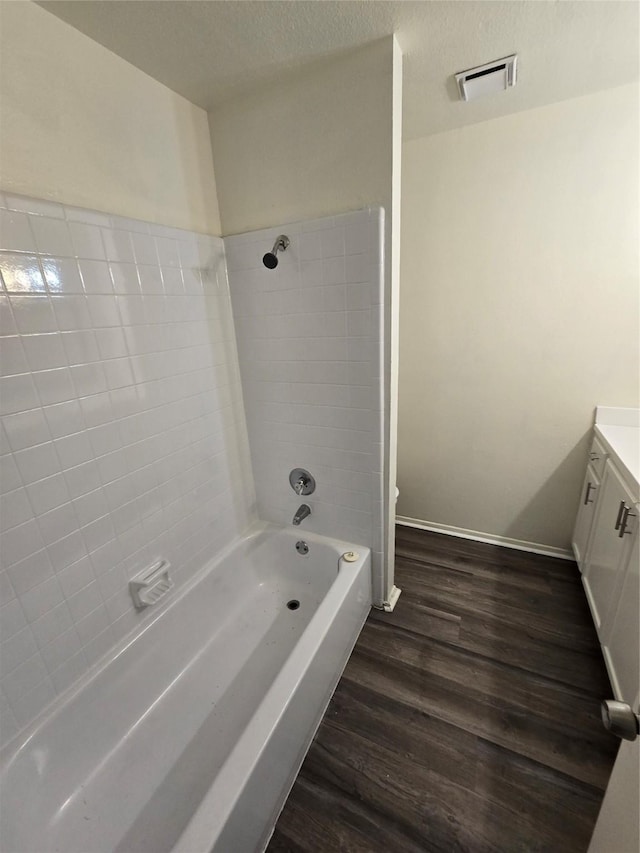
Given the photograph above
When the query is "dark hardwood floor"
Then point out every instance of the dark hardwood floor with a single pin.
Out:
(466, 720)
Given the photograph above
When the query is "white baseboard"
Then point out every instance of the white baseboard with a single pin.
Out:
(477, 536)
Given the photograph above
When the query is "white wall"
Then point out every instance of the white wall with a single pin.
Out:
(82, 126)
(316, 144)
(123, 438)
(310, 352)
(519, 312)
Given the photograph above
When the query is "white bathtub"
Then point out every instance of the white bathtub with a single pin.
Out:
(190, 736)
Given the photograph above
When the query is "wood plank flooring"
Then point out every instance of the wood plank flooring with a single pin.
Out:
(466, 720)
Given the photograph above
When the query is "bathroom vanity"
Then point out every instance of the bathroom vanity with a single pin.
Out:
(606, 547)
(606, 542)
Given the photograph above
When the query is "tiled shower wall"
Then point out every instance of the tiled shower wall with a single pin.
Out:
(123, 436)
(310, 349)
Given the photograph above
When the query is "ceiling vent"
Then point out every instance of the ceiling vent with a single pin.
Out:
(487, 79)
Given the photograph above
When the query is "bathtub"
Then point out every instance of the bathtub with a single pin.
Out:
(189, 737)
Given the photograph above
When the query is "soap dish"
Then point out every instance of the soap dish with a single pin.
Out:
(151, 585)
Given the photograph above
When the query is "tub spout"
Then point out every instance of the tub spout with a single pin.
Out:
(301, 514)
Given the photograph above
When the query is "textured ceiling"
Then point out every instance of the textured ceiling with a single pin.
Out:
(213, 50)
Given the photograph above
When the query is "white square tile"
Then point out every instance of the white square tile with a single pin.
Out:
(15, 234)
(150, 280)
(309, 246)
(93, 624)
(95, 277)
(125, 278)
(358, 268)
(44, 351)
(359, 323)
(33, 314)
(26, 429)
(332, 240)
(98, 533)
(83, 602)
(87, 241)
(17, 649)
(62, 275)
(103, 311)
(82, 479)
(6, 589)
(144, 249)
(111, 582)
(22, 274)
(107, 557)
(33, 569)
(73, 449)
(35, 463)
(70, 671)
(90, 507)
(12, 619)
(52, 236)
(80, 347)
(61, 649)
(111, 342)
(12, 356)
(97, 409)
(41, 599)
(311, 274)
(333, 271)
(75, 577)
(71, 313)
(167, 250)
(99, 646)
(172, 280)
(54, 386)
(21, 682)
(52, 624)
(105, 438)
(118, 373)
(66, 551)
(88, 379)
(64, 418)
(48, 493)
(118, 245)
(7, 323)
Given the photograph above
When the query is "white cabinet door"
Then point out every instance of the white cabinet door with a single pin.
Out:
(608, 547)
(618, 827)
(588, 498)
(622, 632)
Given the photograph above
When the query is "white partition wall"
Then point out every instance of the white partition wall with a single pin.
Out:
(310, 344)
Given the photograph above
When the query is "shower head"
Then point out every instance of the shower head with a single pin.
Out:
(270, 260)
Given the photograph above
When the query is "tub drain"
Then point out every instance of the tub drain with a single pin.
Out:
(293, 604)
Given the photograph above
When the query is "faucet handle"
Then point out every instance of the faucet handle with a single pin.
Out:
(302, 482)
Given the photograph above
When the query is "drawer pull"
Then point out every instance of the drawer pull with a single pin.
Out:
(621, 510)
(587, 499)
(626, 515)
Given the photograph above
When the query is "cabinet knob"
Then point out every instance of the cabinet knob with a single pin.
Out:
(620, 719)
(621, 510)
(587, 499)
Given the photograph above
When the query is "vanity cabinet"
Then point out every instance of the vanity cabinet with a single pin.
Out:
(605, 544)
(610, 545)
